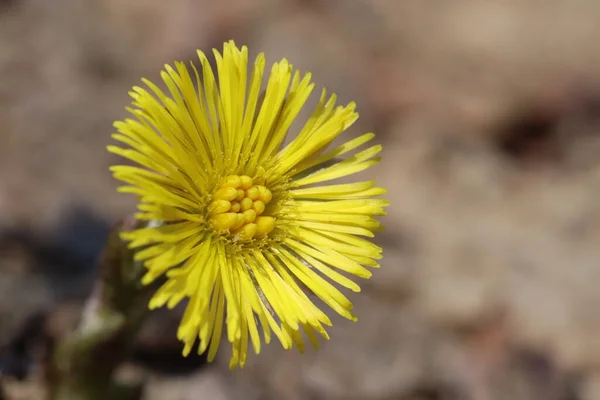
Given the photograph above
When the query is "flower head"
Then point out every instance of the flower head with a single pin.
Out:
(242, 224)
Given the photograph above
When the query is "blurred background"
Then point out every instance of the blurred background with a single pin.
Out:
(489, 112)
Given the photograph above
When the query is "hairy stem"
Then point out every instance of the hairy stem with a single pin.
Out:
(83, 364)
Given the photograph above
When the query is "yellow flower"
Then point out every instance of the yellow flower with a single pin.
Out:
(235, 222)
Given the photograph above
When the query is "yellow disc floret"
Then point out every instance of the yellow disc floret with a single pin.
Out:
(237, 209)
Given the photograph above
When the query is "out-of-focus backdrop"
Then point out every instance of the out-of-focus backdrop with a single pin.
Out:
(489, 112)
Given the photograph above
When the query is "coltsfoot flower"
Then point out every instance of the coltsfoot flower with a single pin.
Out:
(243, 225)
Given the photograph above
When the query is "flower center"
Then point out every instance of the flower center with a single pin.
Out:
(237, 209)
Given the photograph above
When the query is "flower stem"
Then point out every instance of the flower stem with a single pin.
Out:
(83, 364)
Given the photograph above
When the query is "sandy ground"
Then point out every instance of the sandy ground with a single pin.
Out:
(489, 113)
